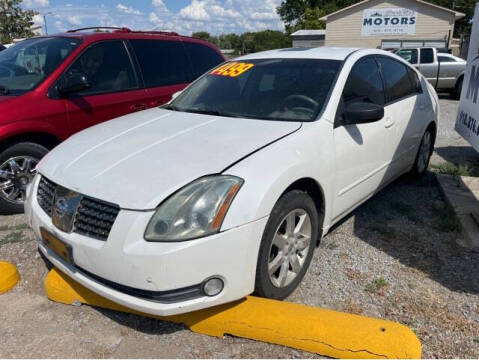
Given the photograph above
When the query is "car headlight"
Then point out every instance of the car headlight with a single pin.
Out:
(195, 211)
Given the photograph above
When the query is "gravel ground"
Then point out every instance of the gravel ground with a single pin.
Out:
(395, 258)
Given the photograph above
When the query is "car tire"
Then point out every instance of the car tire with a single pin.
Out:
(458, 89)
(14, 178)
(426, 148)
(285, 242)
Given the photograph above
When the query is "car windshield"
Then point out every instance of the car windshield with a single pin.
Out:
(25, 65)
(271, 89)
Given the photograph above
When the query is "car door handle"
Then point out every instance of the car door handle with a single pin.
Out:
(138, 107)
(388, 123)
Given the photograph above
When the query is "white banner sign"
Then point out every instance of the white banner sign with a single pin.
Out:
(467, 123)
(391, 21)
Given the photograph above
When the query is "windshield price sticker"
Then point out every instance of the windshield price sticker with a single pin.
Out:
(232, 69)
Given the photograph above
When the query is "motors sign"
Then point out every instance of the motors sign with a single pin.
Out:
(467, 123)
(390, 21)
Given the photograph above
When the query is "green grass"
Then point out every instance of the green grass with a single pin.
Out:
(377, 285)
(332, 246)
(13, 237)
(445, 219)
(453, 169)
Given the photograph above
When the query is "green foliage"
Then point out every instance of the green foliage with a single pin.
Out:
(14, 21)
(248, 42)
(295, 12)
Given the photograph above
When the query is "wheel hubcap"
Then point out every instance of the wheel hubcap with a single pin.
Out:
(289, 248)
(424, 152)
(15, 174)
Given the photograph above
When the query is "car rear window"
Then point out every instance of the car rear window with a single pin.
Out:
(398, 82)
(162, 62)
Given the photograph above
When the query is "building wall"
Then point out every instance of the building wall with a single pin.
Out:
(344, 29)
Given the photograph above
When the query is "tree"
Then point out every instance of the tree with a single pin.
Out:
(298, 14)
(14, 21)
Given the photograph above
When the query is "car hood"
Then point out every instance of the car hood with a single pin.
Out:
(136, 161)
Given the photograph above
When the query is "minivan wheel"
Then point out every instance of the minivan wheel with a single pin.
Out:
(287, 245)
(17, 169)
(424, 153)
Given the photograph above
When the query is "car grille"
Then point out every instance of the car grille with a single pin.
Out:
(93, 218)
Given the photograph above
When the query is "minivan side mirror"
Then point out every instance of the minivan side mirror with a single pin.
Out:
(73, 83)
(362, 113)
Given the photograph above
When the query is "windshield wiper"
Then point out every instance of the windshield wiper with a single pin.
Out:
(210, 112)
(4, 90)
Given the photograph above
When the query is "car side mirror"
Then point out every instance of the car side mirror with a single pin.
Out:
(73, 83)
(362, 113)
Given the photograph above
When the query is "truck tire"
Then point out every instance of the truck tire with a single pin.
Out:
(17, 169)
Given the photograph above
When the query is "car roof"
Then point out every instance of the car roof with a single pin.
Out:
(323, 52)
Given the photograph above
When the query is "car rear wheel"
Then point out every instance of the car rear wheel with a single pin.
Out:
(424, 153)
(287, 245)
(17, 169)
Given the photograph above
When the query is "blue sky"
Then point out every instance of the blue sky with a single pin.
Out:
(182, 16)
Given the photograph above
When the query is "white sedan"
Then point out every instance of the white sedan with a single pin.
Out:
(228, 189)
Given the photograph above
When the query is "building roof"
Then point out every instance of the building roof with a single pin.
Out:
(457, 14)
(323, 52)
(309, 32)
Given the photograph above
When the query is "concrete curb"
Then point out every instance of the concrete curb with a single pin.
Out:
(326, 332)
(9, 277)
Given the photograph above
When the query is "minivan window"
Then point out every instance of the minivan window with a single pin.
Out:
(427, 56)
(410, 55)
(270, 89)
(162, 63)
(107, 67)
(398, 83)
(203, 58)
(25, 65)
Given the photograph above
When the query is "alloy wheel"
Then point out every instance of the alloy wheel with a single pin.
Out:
(289, 248)
(15, 174)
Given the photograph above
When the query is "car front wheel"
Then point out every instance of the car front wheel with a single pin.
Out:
(287, 245)
(17, 169)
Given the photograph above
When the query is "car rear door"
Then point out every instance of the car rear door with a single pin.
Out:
(115, 88)
(428, 65)
(164, 66)
(405, 111)
(360, 160)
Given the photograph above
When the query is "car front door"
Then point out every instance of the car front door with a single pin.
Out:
(360, 161)
(114, 87)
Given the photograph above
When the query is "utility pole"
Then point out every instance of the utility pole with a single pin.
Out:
(45, 21)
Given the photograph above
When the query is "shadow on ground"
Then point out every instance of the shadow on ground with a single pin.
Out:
(410, 221)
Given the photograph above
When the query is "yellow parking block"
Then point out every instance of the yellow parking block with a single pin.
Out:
(9, 277)
(326, 332)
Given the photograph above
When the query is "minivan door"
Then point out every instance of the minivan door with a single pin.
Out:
(114, 87)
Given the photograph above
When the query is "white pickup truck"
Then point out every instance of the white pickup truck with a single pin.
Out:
(444, 71)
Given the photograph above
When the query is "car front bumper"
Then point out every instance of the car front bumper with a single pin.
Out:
(126, 265)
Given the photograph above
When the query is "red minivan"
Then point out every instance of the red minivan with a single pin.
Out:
(53, 86)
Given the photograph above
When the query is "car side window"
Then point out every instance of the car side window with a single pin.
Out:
(398, 82)
(427, 56)
(203, 58)
(162, 62)
(416, 83)
(410, 55)
(364, 84)
(107, 67)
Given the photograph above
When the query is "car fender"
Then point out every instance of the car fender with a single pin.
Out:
(271, 171)
(16, 128)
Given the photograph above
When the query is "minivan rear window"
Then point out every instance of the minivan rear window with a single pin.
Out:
(203, 58)
(162, 63)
